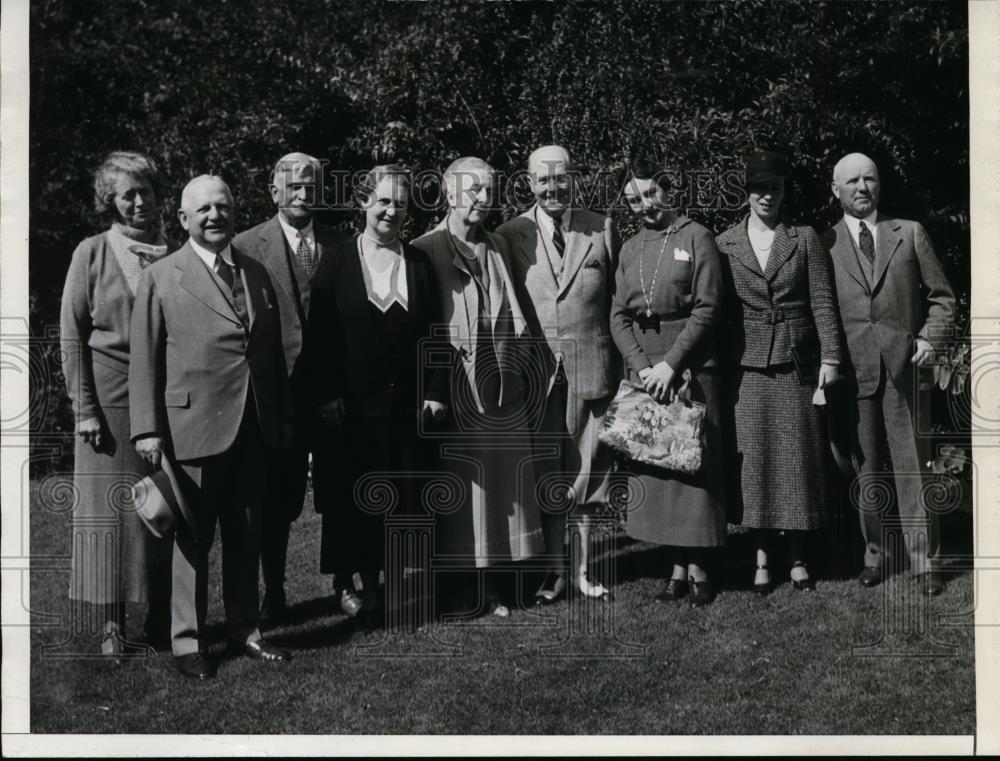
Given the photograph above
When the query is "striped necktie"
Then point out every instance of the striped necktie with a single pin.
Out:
(557, 236)
(231, 278)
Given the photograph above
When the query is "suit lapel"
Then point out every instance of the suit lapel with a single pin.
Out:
(739, 245)
(200, 282)
(844, 251)
(252, 286)
(782, 249)
(885, 249)
(276, 250)
(578, 244)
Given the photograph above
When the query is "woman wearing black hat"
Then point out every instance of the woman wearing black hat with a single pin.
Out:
(664, 315)
(782, 347)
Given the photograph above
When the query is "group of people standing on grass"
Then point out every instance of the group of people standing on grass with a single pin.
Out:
(487, 360)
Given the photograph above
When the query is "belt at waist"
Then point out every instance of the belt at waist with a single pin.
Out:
(778, 314)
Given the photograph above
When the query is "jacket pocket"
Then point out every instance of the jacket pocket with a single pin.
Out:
(177, 398)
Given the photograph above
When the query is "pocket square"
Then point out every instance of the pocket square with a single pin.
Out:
(680, 255)
(592, 263)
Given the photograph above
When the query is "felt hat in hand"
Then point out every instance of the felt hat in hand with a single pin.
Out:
(162, 504)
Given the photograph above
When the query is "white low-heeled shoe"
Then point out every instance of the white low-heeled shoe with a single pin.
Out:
(590, 590)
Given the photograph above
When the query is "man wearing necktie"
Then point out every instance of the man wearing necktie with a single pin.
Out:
(897, 307)
(290, 245)
(210, 391)
(564, 258)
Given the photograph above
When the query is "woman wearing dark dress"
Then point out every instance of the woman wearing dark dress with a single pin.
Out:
(781, 298)
(374, 298)
(667, 303)
(114, 558)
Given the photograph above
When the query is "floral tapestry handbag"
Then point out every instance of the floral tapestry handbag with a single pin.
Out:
(668, 436)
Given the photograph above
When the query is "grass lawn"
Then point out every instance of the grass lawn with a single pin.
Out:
(842, 660)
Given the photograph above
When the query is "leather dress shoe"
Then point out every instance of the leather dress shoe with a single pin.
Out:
(702, 593)
(870, 577)
(675, 589)
(260, 650)
(931, 584)
(194, 666)
(349, 603)
(551, 590)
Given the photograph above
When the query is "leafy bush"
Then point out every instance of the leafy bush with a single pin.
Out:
(227, 88)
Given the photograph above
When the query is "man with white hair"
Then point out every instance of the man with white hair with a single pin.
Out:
(209, 390)
(895, 304)
(291, 245)
(564, 258)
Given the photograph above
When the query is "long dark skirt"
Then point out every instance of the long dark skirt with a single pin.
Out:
(371, 474)
(683, 511)
(781, 461)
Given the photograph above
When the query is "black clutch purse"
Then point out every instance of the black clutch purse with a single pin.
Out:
(806, 358)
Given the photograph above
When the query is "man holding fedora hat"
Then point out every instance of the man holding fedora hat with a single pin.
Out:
(210, 392)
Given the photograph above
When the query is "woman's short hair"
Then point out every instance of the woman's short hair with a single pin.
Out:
(130, 163)
(644, 169)
(367, 183)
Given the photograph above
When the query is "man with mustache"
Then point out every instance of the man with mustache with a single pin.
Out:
(895, 304)
(564, 259)
(291, 245)
(210, 391)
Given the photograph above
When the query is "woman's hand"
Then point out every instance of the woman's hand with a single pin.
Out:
(90, 431)
(434, 410)
(332, 413)
(828, 375)
(150, 449)
(659, 381)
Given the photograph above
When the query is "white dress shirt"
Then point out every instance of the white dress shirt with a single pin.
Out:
(209, 256)
(854, 229)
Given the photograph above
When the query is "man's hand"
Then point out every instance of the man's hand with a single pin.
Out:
(90, 431)
(434, 410)
(659, 381)
(150, 449)
(332, 413)
(828, 375)
(923, 353)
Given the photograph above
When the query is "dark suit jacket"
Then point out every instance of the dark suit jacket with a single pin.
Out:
(885, 307)
(791, 303)
(193, 362)
(267, 244)
(343, 359)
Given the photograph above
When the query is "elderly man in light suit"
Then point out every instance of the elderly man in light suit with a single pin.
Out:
(895, 304)
(209, 389)
(564, 258)
(291, 245)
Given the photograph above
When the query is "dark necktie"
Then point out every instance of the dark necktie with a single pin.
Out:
(557, 236)
(230, 277)
(866, 242)
(303, 254)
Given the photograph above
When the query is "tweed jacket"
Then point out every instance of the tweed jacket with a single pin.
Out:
(267, 244)
(886, 307)
(94, 329)
(460, 309)
(688, 297)
(569, 312)
(193, 362)
(790, 303)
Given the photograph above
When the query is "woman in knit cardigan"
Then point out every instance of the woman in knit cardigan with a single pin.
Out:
(112, 552)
